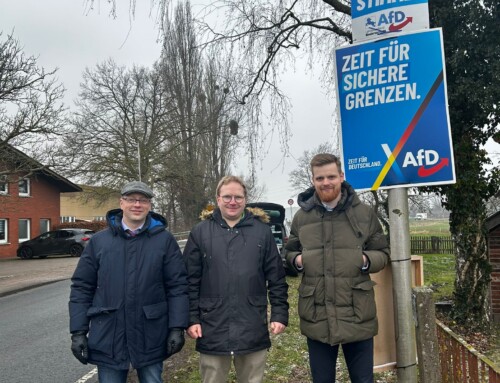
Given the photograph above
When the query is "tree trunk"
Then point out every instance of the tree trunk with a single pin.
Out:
(472, 303)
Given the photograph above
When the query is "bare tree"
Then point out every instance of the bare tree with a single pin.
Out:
(31, 109)
(493, 204)
(120, 128)
(255, 192)
(300, 178)
(168, 126)
(266, 39)
(199, 85)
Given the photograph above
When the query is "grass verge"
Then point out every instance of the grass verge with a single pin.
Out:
(287, 362)
(439, 275)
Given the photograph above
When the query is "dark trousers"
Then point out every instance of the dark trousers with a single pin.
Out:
(358, 357)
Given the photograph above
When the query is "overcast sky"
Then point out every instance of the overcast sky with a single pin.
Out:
(63, 34)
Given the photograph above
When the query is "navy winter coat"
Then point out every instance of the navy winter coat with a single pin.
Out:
(128, 292)
(231, 273)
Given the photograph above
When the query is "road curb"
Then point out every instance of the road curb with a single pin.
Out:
(29, 287)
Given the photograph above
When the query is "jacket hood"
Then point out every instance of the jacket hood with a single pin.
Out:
(308, 199)
(254, 212)
(154, 222)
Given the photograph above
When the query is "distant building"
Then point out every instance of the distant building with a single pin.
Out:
(29, 198)
(493, 226)
(91, 204)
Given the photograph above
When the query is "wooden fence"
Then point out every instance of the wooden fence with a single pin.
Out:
(419, 244)
(432, 245)
(460, 362)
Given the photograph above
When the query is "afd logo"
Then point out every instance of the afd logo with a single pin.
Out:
(428, 162)
(388, 22)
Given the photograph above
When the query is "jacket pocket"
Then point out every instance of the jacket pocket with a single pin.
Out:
(255, 334)
(259, 304)
(212, 318)
(102, 329)
(363, 301)
(155, 325)
(94, 311)
(208, 306)
(309, 309)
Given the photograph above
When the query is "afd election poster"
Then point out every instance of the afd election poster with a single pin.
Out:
(393, 111)
(373, 19)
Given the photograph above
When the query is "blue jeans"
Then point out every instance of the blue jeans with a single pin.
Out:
(146, 374)
(358, 357)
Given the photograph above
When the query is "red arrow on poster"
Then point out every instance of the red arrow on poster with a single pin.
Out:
(397, 27)
(426, 172)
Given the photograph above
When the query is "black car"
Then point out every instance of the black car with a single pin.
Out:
(276, 214)
(63, 241)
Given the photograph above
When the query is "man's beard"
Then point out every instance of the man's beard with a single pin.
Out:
(329, 194)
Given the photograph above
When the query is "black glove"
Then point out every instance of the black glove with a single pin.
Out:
(79, 346)
(175, 340)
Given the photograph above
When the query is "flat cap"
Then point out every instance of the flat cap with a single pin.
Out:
(137, 187)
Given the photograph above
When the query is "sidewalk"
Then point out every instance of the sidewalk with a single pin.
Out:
(22, 274)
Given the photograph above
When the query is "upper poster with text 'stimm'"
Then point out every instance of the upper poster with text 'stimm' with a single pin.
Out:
(373, 19)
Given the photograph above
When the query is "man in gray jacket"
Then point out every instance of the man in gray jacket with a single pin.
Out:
(336, 242)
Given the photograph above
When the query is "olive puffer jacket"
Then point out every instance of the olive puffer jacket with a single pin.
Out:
(231, 273)
(336, 297)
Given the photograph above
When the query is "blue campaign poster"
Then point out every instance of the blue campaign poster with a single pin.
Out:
(393, 111)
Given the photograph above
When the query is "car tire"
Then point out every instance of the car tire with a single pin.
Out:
(75, 250)
(25, 253)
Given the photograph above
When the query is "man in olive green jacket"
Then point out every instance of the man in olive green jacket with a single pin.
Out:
(336, 242)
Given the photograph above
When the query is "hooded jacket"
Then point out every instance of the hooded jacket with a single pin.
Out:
(231, 273)
(336, 297)
(127, 292)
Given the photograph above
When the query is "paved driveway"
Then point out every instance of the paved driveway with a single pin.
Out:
(20, 274)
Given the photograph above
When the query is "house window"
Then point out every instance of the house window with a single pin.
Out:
(67, 219)
(24, 230)
(24, 187)
(3, 231)
(44, 225)
(4, 185)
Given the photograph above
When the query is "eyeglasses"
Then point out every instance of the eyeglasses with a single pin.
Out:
(228, 198)
(133, 201)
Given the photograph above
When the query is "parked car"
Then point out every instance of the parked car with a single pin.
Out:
(276, 213)
(62, 241)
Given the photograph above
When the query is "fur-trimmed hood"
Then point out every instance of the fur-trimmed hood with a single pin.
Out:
(233, 273)
(251, 211)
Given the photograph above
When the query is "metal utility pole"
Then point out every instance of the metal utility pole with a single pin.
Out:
(406, 358)
(139, 160)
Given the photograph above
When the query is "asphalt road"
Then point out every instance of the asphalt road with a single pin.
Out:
(34, 338)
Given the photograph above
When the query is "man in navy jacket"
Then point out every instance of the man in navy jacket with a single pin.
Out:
(129, 299)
